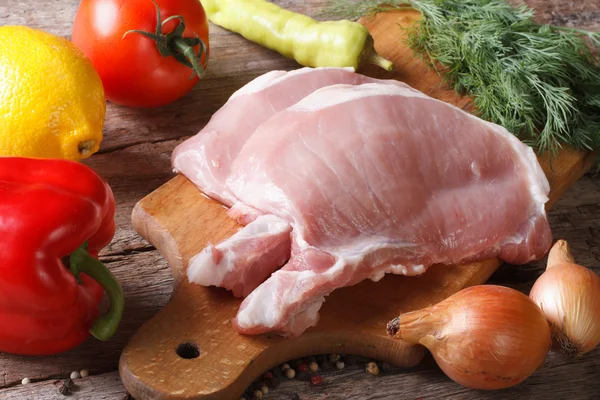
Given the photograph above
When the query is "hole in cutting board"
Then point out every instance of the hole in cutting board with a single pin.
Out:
(188, 350)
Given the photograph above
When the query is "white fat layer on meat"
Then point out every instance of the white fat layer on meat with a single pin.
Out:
(333, 95)
(274, 77)
(410, 270)
(202, 268)
(204, 271)
(263, 310)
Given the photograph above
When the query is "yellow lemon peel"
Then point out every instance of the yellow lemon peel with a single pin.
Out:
(51, 98)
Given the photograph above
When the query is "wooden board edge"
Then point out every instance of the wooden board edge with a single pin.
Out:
(158, 236)
(579, 166)
(132, 384)
(400, 354)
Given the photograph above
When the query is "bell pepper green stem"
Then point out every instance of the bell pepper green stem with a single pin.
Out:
(105, 326)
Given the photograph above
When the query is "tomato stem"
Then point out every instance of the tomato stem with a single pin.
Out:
(190, 54)
(174, 45)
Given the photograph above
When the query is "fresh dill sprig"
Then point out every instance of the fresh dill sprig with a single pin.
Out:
(540, 82)
(352, 10)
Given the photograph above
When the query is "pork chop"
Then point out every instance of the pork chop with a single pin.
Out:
(377, 178)
(206, 157)
(206, 160)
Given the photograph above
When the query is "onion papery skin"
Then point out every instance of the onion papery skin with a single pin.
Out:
(569, 296)
(484, 337)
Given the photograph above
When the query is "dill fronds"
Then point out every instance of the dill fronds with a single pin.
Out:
(540, 82)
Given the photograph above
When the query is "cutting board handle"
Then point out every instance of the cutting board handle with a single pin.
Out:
(189, 349)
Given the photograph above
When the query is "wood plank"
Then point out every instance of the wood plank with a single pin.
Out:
(179, 221)
(138, 170)
(99, 387)
(428, 382)
(425, 382)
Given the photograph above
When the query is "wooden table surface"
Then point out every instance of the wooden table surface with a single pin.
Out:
(135, 160)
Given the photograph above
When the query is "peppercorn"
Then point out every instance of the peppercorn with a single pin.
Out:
(74, 375)
(313, 366)
(25, 381)
(316, 380)
(268, 375)
(290, 373)
(302, 367)
(372, 368)
(258, 395)
(339, 365)
(264, 389)
(385, 367)
(84, 373)
(285, 366)
(334, 357)
(66, 387)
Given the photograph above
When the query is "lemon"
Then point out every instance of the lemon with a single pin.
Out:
(51, 98)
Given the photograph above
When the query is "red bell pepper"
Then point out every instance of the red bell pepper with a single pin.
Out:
(55, 216)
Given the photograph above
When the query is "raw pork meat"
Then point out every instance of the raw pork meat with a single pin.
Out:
(206, 159)
(376, 178)
(246, 259)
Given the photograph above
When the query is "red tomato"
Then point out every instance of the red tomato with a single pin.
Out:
(133, 71)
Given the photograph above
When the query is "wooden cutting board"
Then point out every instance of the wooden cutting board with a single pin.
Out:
(189, 349)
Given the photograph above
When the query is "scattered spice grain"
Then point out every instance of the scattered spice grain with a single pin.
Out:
(290, 373)
(372, 368)
(67, 387)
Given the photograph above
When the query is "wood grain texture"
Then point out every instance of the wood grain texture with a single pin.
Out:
(180, 222)
(135, 161)
(425, 381)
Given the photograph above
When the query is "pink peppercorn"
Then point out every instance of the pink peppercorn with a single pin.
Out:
(303, 367)
(268, 375)
(316, 380)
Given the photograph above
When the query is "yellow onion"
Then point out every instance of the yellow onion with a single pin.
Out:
(483, 337)
(569, 295)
